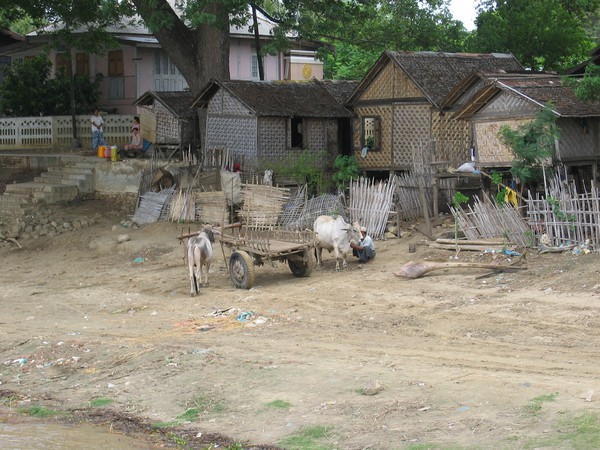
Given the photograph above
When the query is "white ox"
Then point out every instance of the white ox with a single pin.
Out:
(198, 256)
(334, 234)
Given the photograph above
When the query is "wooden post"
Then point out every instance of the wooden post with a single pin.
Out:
(424, 206)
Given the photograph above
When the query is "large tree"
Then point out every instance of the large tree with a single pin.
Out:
(195, 33)
(542, 34)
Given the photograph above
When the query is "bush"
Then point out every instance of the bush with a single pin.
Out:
(304, 167)
(347, 169)
(27, 90)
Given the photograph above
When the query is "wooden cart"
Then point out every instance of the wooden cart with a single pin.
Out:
(252, 247)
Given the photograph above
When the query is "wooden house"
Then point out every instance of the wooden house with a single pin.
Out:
(167, 120)
(505, 99)
(399, 119)
(261, 120)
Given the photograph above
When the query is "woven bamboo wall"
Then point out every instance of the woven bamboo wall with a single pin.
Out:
(167, 125)
(391, 82)
(490, 151)
(508, 106)
(579, 138)
(273, 140)
(224, 103)
(411, 128)
(381, 158)
(452, 138)
(235, 134)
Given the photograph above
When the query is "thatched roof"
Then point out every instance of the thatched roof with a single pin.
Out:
(340, 89)
(436, 73)
(279, 98)
(538, 89)
(178, 103)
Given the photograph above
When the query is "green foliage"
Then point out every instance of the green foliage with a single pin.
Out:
(459, 198)
(180, 441)
(542, 34)
(306, 439)
(496, 177)
(303, 167)
(531, 144)
(534, 406)
(39, 411)
(558, 212)
(279, 404)
(588, 87)
(347, 169)
(500, 192)
(100, 401)
(28, 90)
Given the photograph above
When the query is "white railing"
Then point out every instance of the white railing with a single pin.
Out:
(55, 132)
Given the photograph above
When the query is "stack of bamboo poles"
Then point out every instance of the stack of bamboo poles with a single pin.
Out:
(262, 205)
(371, 204)
(183, 207)
(485, 220)
(477, 245)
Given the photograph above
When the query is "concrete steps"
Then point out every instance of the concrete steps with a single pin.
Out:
(62, 182)
(79, 174)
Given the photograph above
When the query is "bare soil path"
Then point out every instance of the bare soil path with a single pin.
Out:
(507, 361)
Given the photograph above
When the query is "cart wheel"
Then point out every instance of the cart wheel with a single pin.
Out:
(241, 270)
(301, 266)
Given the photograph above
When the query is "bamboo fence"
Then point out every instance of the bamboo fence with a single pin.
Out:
(262, 205)
(371, 204)
(300, 213)
(486, 220)
(211, 207)
(565, 215)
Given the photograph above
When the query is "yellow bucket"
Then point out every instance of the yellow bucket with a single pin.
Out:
(114, 155)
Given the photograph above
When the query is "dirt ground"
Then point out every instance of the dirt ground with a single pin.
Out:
(449, 360)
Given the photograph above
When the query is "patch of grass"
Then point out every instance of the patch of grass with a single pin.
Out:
(205, 404)
(534, 406)
(279, 404)
(177, 440)
(100, 401)
(580, 432)
(189, 415)
(306, 439)
(39, 411)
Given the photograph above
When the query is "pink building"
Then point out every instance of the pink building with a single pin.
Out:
(140, 65)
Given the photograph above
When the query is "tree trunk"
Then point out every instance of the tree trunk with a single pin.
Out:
(199, 54)
(75, 144)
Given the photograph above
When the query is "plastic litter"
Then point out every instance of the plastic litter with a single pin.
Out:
(243, 317)
(138, 260)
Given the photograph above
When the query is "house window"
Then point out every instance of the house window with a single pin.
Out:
(116, 88)
(166, 74)
(371, 133)
(82, 66)
(254, 67)
(4, 62)
(62, 63)
(115, 63)
(296, 132)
